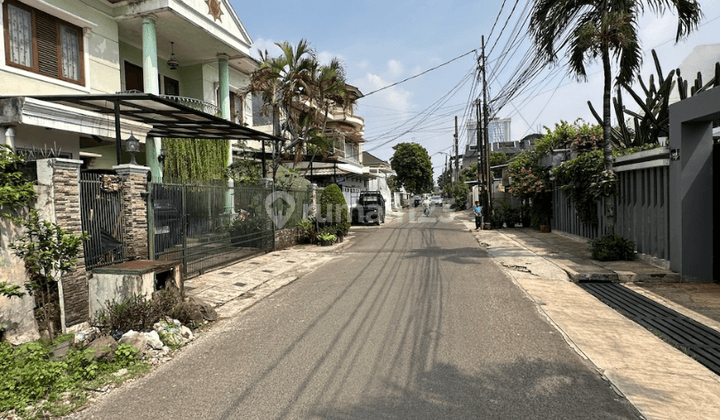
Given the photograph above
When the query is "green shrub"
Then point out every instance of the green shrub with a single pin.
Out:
(612, 248)
(307, 231)
(460, 193)
(139, 314)
(28, 375)
(333, 209)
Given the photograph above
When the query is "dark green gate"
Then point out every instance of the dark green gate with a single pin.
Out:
(207, 226)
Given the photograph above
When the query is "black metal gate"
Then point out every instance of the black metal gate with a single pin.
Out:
(206, 226)
(101, 210)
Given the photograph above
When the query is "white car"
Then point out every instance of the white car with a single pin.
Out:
(436, 200)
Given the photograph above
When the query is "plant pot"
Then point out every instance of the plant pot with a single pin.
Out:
(545, 228)
(326, 243)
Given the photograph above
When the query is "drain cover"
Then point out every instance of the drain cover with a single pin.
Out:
(700, 341)
(225, 273)
(239, 284)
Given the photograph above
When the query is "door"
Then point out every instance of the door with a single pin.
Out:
(133, 77)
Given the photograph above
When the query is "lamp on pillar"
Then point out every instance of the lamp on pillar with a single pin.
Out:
(132, 146)
(172, 62)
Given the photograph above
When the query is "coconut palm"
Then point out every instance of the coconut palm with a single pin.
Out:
(604, 29)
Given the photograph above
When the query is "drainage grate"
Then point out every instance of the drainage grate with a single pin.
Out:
(700, 341)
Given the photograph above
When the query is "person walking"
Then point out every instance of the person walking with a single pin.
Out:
(477, 211)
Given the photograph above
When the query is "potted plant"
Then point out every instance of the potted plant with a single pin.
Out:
(542, 211)
(307, 234)
(326, 239)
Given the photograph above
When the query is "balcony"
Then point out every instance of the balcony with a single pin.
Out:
(193, 103)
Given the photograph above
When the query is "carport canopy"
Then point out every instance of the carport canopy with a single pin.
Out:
(168, 118)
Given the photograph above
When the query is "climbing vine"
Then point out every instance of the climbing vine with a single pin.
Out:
(192, 160)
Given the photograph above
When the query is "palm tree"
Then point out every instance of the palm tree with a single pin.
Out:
(605, 29)
(295, 84)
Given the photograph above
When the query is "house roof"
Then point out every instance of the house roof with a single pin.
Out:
(169, 119)
(372, 160)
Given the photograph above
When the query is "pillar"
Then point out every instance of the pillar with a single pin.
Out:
(59, 202)
(135, 211)
(153, 145)
(224, 106)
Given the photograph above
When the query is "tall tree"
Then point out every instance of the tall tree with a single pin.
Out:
(411, 162)
(604, 29)
(297, 86)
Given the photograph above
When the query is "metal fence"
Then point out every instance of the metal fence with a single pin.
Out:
(101, 211)
(207, 226)
(641, 205)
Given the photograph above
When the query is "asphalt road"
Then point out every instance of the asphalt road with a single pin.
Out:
(414, 322)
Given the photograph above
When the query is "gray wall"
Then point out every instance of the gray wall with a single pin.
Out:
(691, 185)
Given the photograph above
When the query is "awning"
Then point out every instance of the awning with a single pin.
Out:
(167, 117)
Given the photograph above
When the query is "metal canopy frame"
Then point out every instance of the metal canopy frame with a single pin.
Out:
(169, 119)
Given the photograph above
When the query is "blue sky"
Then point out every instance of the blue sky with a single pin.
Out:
(382, 42)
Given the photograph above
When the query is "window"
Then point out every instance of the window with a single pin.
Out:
(171, 87)
(43, 44)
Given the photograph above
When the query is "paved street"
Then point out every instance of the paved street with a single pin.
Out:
(412, 321)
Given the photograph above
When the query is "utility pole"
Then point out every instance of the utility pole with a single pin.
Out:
(445, 172)
(487, 200)
(479, 148)
(457, 170)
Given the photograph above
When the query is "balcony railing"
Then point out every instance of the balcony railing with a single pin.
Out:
(193, 103)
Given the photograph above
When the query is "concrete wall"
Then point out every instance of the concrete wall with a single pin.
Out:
(16, 314)
(692, 216)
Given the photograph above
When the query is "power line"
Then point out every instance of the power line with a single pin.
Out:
(419, 74)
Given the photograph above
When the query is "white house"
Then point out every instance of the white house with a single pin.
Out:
(189, 52)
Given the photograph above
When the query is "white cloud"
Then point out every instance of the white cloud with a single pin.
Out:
(395, 98)
(395, 69)
(324, 57)
(262, 44)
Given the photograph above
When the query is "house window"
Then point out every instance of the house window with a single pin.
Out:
(41, 43)
(171, 87)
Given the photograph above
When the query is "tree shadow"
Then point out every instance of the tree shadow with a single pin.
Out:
(523, 389)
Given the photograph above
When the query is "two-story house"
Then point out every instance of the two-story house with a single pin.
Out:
(92, 56)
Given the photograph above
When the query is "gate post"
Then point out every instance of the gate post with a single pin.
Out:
(135, 211)
(312, 210)
(59, 202)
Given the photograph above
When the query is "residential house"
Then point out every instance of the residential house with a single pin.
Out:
(79, 78)
(190, 52)
(343, 164)
(380, 171)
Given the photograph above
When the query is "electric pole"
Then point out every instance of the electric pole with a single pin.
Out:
(457, 170)
(487, 199)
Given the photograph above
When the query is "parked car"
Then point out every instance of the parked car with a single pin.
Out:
(416, 200)
(370, 208)
(436, 200)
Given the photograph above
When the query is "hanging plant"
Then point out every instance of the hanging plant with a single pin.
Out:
(193, 160)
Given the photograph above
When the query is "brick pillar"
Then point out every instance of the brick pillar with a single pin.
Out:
(312, 211)
(59, 202)
(134, 189)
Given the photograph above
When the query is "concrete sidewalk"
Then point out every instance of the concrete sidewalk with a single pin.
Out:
(661, 381)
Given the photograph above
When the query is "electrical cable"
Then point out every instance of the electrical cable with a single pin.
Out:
(418, 75)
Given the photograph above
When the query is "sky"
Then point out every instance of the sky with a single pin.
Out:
(385, 42)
